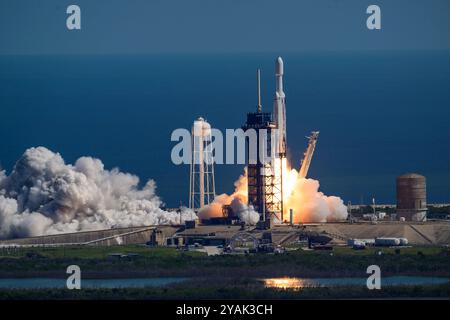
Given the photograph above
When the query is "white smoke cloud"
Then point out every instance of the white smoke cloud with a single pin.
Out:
(311, 205)
(237, 201)
(246, 213)
(302, 195)
(43, 195)
(238, 204)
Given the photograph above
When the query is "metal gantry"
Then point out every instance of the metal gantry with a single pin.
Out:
(307, 156)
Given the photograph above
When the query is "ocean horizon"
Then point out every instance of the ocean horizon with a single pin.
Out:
(380, 114)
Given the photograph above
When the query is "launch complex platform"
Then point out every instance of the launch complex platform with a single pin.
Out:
(430, 233)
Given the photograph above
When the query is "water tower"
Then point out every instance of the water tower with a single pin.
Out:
(202, 186)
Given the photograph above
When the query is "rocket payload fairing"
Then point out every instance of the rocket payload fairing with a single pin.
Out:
(279, 109)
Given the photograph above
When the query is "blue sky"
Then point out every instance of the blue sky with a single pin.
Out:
(221, 26)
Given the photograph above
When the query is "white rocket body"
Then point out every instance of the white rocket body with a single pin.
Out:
(279, 109)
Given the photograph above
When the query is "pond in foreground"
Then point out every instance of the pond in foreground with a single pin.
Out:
(281, 283)
(298, 283)
(34, 283)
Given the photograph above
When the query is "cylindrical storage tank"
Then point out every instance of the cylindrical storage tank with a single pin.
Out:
(358, 244)
(387, 241)
(411, 197)
(369, 242)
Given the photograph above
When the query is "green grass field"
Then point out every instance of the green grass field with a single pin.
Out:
(94, 252)
(162, 261)
(102, 252)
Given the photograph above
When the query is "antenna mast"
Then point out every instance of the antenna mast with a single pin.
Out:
(258, 79)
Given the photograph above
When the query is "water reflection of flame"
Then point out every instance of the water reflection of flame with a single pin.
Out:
(286, 283)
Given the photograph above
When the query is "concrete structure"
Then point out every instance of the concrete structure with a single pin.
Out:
(156, 235)
(411, 197)
(417, 233)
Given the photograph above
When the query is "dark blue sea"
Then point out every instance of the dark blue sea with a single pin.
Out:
(380, 114)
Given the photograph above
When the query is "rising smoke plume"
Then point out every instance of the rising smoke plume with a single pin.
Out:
(311, 205)
(43, 195)
(237, 201)
(302, 195)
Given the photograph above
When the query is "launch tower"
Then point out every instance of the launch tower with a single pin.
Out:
(263, 193)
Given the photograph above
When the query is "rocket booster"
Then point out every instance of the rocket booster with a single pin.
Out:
(279, 108)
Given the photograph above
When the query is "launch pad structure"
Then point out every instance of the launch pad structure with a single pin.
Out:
(266, 150)
(265, 192)
(429, 233)
(307, 156)
(265, 178)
